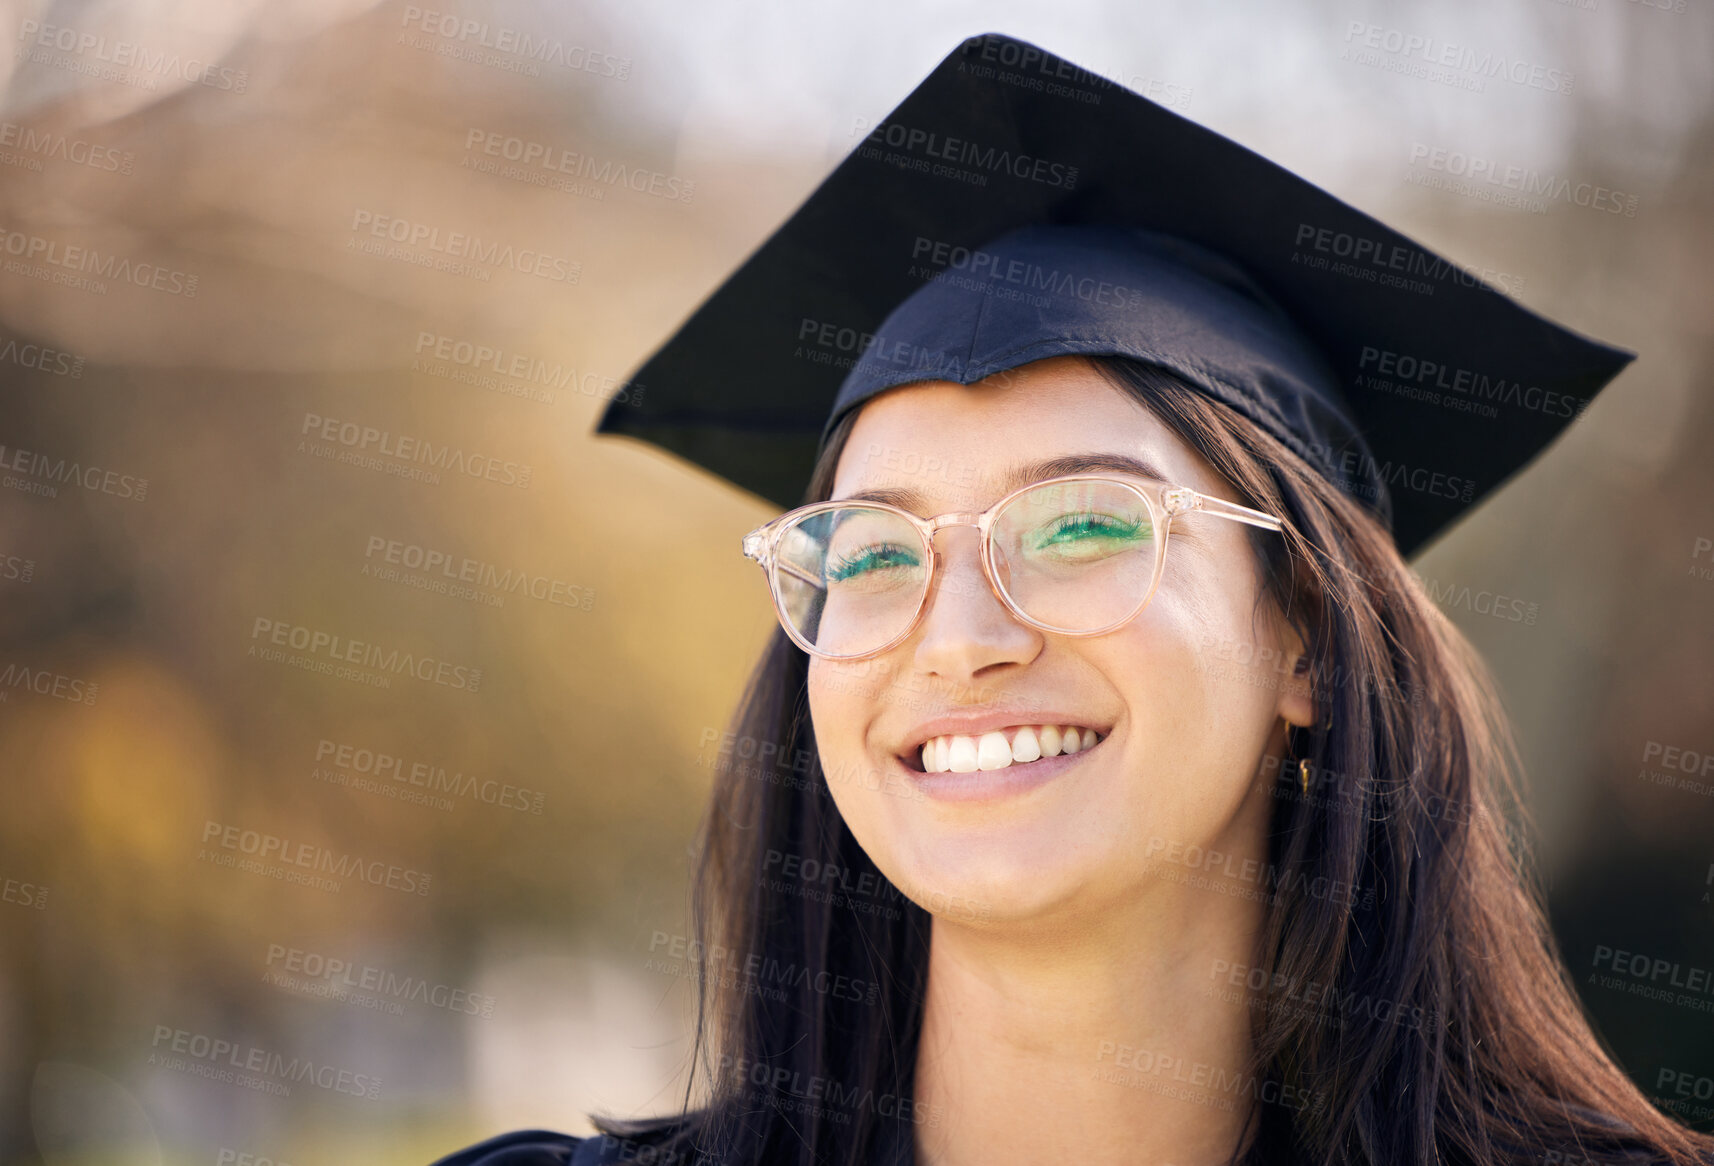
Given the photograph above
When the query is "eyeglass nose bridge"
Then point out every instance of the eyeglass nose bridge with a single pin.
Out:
(940, 523)
(987, 583)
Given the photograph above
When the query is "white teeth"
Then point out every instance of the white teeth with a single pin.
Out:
(993, 751)
(953, 753)
(1025, 747)
(1050, 740)
(961, 755)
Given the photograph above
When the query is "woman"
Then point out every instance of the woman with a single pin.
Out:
(1107, 854)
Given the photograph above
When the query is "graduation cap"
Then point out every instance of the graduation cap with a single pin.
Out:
(1015, 206)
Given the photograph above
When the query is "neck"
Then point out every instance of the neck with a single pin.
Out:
(1101, 1040)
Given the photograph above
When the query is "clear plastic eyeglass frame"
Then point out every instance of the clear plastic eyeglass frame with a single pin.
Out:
(1164, 502)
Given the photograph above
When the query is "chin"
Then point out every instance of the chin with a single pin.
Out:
(1019, 872)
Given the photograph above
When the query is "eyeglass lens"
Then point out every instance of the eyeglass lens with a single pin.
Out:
(1076, 556)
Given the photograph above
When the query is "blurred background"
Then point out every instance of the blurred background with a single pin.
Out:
(357, 706)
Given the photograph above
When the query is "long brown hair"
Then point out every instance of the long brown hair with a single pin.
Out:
(1446, 1028)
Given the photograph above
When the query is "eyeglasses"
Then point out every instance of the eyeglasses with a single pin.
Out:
(1078, 555)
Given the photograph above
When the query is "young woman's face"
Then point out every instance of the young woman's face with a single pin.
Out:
(1182, 720)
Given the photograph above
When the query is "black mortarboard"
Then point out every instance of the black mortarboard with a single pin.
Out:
(1016, 207)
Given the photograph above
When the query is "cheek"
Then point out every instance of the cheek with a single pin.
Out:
(1197, 724)
(839, 696)
(1154, 665)
(880, 805)
(843, 699)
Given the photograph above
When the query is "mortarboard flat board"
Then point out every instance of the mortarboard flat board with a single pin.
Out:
(1410, 382)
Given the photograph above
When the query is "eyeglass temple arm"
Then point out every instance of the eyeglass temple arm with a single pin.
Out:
(1181, 500)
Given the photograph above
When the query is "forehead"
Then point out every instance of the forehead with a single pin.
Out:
(937, 445)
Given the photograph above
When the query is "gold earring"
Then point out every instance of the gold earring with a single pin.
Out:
(1302, 762)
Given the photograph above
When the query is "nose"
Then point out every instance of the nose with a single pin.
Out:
(967, 634)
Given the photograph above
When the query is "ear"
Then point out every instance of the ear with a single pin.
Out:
(1297, 701)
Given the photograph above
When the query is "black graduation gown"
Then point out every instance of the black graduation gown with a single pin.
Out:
(529, 1148)
(547, 1148)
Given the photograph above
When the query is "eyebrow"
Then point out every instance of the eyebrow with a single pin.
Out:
(1021, 475)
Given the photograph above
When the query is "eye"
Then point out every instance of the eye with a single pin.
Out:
(1097, 531)
(870, 560)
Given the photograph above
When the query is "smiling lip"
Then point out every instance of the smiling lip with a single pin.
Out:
(987, 785)
(975, 724)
